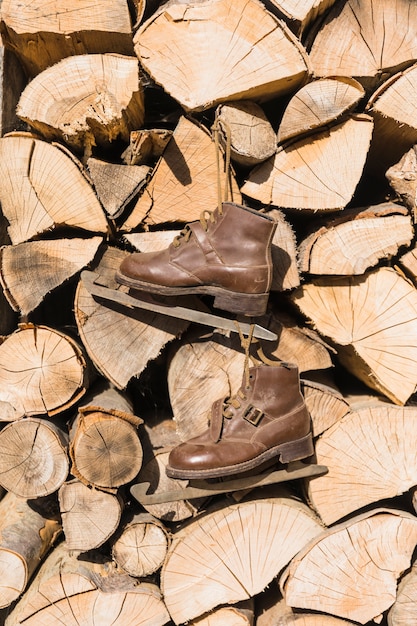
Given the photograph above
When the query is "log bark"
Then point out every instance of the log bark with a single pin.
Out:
(28, 530)
(48, 263)
(382, 542)
(116, 185)
(33, 457)
(317, 173)
(371, 321)
(73, 591)
(353, 243)
(141, 546)
(105, 448)
(85, 100)
(185, 181)
(41, 33)
(119, 342)
(235, 551)
(254, 56)
(146, 146)
(318, 104)
(89, 516)
(42, 372)
(12, 83)
(41, 187)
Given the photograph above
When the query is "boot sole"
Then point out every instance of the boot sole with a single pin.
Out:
(286, 452)
(253, 305)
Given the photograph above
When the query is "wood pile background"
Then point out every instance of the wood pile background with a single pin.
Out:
(106, 147)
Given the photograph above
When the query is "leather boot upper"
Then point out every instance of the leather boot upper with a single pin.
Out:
(230, 249)
(270, 411)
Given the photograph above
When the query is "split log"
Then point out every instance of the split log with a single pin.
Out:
(85, 100)
(120, 342)
(408, 263)
(245, 125)
(393, 110)
(33, 457)
(278, 613)
(12, 83)
(42, 372)
(41, 187)
(365, 40)
(41, 33)
(214, 364)
(45, 265)
(325, 403)
(185, 181)
(361, 561)
(143, 9)
(356, 476)
(356, 241)
(234, 552)
(203, 368)
(141, 547)
(105, 448)
(402, 177)
(89, 516)
(28, 530)
(226, 52)
(153, 472)
(116, 185)
(403, 611)
(240, 614)
(71, 591)
(285, 274)
(299, 15)
(371, 321)
(315, 173)
(317, 104)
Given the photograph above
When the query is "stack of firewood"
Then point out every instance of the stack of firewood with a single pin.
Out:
(107, 147)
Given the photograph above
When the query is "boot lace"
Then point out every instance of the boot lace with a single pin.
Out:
(206, 216)
(239, 397)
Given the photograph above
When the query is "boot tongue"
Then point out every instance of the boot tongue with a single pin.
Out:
(216, 420)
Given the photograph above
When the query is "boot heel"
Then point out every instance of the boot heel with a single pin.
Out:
(246, 304)
(297, 450)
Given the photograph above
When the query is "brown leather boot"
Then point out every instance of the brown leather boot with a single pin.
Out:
(267, 418)
(227, 254)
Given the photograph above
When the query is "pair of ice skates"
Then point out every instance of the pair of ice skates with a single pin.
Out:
(227, 255)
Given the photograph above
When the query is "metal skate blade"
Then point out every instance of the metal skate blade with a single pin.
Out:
(205, 489)
(200, 317)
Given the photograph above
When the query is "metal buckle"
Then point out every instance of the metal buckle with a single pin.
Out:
(253, 415)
